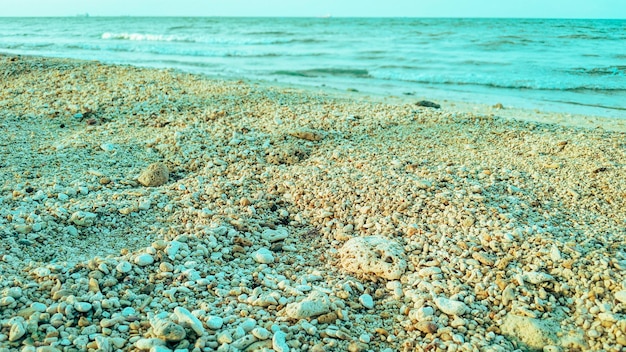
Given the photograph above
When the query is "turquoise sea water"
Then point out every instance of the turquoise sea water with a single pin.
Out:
(576, 66)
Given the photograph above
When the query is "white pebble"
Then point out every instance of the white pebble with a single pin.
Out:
(263, 256)
(124, 267)
(279, 342)
(450, 307)
(144, 259)
(82, 307)
(367, 301)
(261, 333)
(621, 296)
(187, 319)
(214, 322)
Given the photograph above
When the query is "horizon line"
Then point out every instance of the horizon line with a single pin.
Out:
(321, 17)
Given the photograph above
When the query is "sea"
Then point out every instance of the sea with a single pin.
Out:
(573, 66)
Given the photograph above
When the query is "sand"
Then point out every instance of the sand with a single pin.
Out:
(298, 220)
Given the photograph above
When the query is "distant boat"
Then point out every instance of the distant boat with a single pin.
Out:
(86, 14)
(325, 16)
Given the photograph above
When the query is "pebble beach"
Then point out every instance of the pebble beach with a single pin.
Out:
(154, 210)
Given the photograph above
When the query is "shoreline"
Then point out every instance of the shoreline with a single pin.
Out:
(297, 220)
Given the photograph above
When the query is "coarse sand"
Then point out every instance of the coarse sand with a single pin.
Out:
(298, 220)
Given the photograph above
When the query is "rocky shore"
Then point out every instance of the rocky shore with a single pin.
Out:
(152, 210)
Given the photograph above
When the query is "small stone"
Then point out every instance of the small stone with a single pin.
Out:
(367, 301)
(279, 342)
(187, 319)
(6, 301)
(108, 147)
(316, 303)
(17, 329)
(83, 218)
(243, 342)
(307, 134)
(148, 344)
(428, 104)
(274, 235)
(214, 322)
(537, 277)
(621, 296)
(82, 307)
(263, 256)
(261, 333)
(450, 307)
(427, 327)
(144, 259)
(124, 267)
(154, 175)
(167, 330)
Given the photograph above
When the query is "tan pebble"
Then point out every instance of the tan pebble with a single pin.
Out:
(382, 332)
(427, 327)
(244, 201)
(328, 318)
(483, 258)
(104, 180)
(307, 134)
(621, 340)
(355, 346)
(154, 175)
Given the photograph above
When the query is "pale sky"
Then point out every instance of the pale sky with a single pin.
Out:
(311, 8)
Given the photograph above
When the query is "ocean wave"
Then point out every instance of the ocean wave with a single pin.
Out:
(509, 84)
(146, 37)
(602, 71)
(317, 72)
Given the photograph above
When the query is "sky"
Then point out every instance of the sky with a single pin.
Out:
(312, 8)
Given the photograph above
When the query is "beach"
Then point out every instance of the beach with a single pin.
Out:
(150, 209)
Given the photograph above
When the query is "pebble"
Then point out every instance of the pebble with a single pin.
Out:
(450, 307)
(367, 301)
(276, 235)
(154, 175)
(621, 296)
(17, 330)
(6, 301)
(537, 277)
(167, 330)
(83, 218)
(214, 322)
(189, 320)
(279, 342)
(316, 303)
(124, 267)
(82, 307)
(263, 256)
(261, 333)
(144, 259)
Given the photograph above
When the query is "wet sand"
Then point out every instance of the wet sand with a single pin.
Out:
(299, 220)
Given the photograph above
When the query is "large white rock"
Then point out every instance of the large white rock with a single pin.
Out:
(533, 333)
(315, 304)
(373, 255)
